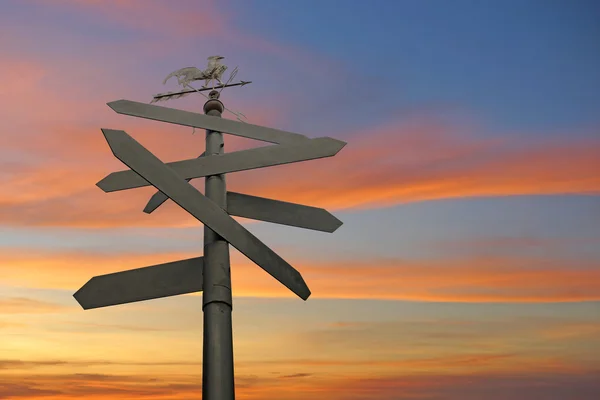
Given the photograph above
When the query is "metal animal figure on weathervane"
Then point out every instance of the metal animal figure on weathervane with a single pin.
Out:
(213, 72)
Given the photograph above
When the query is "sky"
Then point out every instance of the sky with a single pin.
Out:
(468, 264)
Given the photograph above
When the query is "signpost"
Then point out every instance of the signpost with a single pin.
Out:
(210, 273)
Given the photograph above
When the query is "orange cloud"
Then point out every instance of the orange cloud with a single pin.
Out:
(573, 330)
(450, 386)
(21, 305)
(405, 163)
(53, 152)
(419, 162)
(466, 280)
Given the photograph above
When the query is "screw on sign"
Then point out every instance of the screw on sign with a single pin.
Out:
(209, 273)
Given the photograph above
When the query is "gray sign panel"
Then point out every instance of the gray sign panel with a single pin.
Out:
(281, 212)
(159, 197)
(196, 120)
(163, 280)
(268, 210)
(165, 179)
(260, 157)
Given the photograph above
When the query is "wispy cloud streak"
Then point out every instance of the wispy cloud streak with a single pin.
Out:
(479, 279)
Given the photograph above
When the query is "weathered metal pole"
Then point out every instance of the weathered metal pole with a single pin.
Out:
(217, 357)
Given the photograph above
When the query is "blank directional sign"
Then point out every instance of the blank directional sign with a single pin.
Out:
(165, 179)
(196, 120)
(169, 279)
(260, 157)
(281, 212)
(268, 210)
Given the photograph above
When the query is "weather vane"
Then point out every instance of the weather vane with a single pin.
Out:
(213, 72)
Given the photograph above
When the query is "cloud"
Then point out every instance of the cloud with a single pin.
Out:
(53, 153)
(8, 325)
(52, 158)
(22, 364)
(480, 279)
(12, 390)
(504, 243)
(478, 345)
(420, 162)
(456, 280)
(455, 363)
(95, 386)
(122, 327)
(31, 364)
(22, 305)
(470, 387)
(298, 375)
(396, 385)
(579, 330)
(71, 269)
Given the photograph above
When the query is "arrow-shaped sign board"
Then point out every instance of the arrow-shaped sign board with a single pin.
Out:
(169, 279)
(165, 179)
(281, 212)
(263, 209)
(260, 157)
(196, 120)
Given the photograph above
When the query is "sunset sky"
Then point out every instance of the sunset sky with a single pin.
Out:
(468, 265)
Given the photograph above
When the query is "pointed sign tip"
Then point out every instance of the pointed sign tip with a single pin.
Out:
(77, 297)
(111, 132)
(336, 225)
(114, 104)
(340, 144)
(302, 289)
(334, 144)
(113, 138)
(100, 184)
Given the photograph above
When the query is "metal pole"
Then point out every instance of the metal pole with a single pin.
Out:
(217, 357)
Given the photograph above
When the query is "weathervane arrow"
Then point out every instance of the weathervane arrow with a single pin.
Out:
(175, 95)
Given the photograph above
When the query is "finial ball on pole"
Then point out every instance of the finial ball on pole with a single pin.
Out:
(213, 104)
